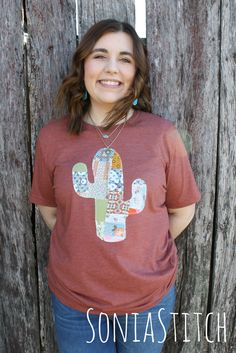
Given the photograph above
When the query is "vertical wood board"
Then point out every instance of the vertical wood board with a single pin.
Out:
(223, 291)
(93, 11)
(51, 27)
(18, 301)
(183, 45)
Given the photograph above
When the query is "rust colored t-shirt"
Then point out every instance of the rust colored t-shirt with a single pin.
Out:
(111, 248)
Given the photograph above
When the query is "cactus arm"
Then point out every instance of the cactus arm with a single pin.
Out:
(81, 184)
(139, 194)
(83, 187)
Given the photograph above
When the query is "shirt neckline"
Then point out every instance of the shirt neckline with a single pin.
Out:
(129, 122)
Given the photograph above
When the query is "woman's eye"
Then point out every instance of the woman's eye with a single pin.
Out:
(99, 57)
(126, 60)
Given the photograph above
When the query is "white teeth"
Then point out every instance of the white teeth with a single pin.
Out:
(111, 83)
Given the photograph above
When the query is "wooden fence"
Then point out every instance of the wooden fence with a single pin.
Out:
(192, 50)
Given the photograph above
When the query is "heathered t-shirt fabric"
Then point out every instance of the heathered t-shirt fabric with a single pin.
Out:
(111, 248)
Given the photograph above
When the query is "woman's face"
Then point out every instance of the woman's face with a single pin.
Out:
(110, 68)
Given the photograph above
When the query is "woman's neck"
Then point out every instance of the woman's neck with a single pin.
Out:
(96, 115)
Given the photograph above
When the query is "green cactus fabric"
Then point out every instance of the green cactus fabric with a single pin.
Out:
(111, 210)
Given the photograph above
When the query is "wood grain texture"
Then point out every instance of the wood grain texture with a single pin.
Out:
(51, 27)
(93, 11)
(184, 50)
(223, 291)
(19, 326)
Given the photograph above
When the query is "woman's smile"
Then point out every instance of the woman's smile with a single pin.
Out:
(110, 83)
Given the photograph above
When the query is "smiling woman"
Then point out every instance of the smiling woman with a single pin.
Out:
(114, 184)
(108, 51)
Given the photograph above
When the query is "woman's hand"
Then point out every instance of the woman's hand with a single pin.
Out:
(179, 219)
(49, 215)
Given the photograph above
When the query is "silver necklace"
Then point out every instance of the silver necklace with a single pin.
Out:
(102, 135)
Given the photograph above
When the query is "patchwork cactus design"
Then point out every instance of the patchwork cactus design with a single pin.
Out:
(107, 190)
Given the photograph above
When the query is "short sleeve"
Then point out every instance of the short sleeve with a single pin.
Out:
(181, 187)
(42, 192)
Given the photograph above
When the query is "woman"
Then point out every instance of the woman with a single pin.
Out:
(114, 184)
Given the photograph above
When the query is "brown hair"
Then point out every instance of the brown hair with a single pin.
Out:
(71, 92)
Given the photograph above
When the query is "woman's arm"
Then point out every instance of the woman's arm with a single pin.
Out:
(49, 215)
(179, 218)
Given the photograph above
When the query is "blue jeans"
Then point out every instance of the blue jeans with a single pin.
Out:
(143, 332)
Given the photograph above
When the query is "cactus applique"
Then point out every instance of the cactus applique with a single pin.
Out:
(107, 190)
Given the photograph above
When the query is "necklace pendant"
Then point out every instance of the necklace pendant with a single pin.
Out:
(105, 136)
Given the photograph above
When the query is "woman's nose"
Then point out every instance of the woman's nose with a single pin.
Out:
(111, 66)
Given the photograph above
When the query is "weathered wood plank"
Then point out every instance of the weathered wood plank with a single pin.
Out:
(19, 327)
(223, 294)
(96, 10)
(51, 28)
(183, 42)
